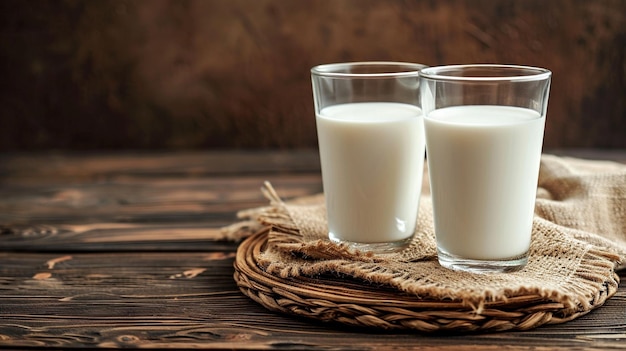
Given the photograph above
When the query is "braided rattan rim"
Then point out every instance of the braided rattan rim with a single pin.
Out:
(346, 301)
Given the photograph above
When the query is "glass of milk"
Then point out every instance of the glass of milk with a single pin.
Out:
(371, 144)
(484, 128)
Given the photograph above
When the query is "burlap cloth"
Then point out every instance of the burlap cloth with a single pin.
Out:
(579, 241)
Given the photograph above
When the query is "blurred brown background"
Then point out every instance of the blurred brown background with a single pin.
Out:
(235, 73)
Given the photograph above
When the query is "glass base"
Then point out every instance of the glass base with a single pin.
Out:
(481, 266)
(382, 247)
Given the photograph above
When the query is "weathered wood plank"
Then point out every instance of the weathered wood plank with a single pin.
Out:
(139, 200)
(101, 202)
(174, 300)
(120, 237)
(101, 166)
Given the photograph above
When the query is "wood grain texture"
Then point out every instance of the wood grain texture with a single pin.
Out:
(210, 73)
(190, 300)
(81, 270)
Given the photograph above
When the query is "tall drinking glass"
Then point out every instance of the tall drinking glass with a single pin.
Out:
(371, 144)
(484, 129)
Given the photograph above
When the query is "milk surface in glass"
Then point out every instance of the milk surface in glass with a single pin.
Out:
(372, 157)
(484, 163)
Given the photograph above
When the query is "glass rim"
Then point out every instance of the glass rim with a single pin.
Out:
(332, 70)
(507, 73)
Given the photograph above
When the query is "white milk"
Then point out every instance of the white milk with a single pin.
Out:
(372, 157)
(484, 163)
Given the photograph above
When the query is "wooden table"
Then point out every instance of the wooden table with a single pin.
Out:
(122, 250)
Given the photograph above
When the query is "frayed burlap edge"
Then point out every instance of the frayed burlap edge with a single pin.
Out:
(286, 237)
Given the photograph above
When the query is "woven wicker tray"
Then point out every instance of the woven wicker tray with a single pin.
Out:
(355, 303)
